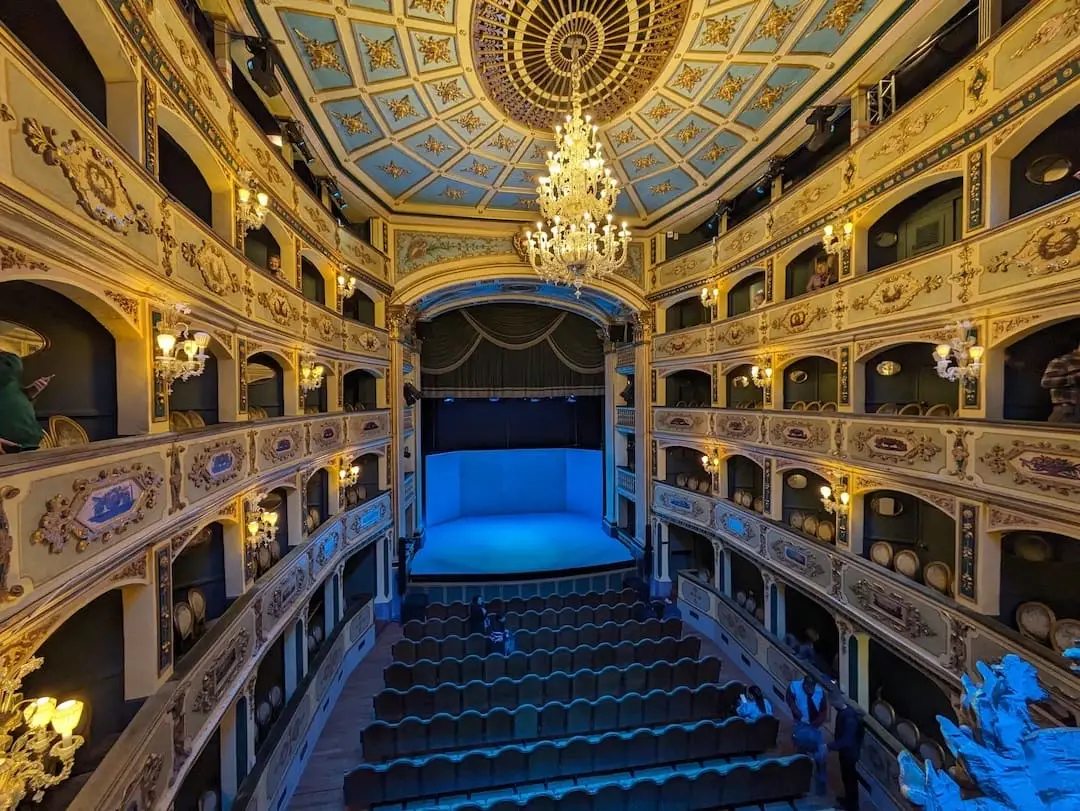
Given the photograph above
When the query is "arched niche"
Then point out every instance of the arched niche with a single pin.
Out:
(747, 586)
(1046, 169)
(190, 172)
(811, 631)
(900, 522)
(903, 379)
(269, 691)
(811, 384)
(686, 312)
(746, 482)
(911, 693)
(265, 386)
(1025, 397)
(316, 499)
(199, 578)
(263, 249)
(194, 403)
(85, 660)
(80, 354)
(1042, 568)
(683, 468)
(746, 295)
(691, 552)
(360, 390)
(360, 576)
(312, 283)
(801, 506)
(277, 501)
(741, 391)
(810, 271)
(359, 307)
(367, 482)
(924, 221)
(688, 388)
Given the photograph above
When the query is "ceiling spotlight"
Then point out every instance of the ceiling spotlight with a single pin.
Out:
(773, 171)
(262, 63)
(334, 191)
(819, 120)
(294, 134)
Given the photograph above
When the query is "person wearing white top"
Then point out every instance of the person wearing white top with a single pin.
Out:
(753, 704)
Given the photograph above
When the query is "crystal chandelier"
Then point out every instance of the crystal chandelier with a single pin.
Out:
(346, 285)
(830, 502)
(37, 747)
(836, 243)
(710, 298)
(311, 373)
(262, 523)
(761, 373)
(252, 205)
(579, 241)
(181, 354)
(962, 350)
(349, 476)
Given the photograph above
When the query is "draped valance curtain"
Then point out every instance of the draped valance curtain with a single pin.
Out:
(511, 350)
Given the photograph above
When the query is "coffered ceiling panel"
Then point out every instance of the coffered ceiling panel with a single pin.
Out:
(447, 106)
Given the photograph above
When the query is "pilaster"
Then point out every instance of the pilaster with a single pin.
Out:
(611, 436)
(643, 331)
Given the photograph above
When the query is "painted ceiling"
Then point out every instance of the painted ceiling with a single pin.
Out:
(447, 106)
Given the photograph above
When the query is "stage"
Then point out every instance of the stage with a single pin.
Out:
(514, 544)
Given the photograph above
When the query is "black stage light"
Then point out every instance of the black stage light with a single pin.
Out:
(262, 63)
(819, 120)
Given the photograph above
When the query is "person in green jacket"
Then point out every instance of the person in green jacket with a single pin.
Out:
(19, 429)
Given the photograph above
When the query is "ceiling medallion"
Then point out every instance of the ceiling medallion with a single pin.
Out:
(523, 53)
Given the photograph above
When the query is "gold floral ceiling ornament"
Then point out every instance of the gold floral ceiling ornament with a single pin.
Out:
(840, 15)
(453, 193)
(470, 122)
(776, 23)
(625, 136)
(506, 144)
(353, 123)
(718, 31)
(522, 53)
(769, 96)
(380, 53)
(659, 111)
(688, 133)
(434, 49)
(730, 88)
(402, 108)
(689, 77)
(660, 189)
(645, 162)
(434, 146)
(449, 91)
(430, 6)
(321, 55)
(479, 169)
(393, 170)
(716, 152)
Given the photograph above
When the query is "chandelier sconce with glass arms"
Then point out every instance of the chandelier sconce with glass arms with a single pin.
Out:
(711, 298)
(579, 242)
(349, 476)
(835, 505)
(836, 241)
(37, 740)
(181, 353)
(311, 372)
(346, 285)
(711, 465)
(262, 524)
(761, 373)
(252, 205)
(961, 357)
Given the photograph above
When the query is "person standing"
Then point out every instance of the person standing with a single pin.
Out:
(477, 615)
(809, 708)
(847, 743)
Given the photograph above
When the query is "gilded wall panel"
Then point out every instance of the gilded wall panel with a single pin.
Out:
(684, 344)
(903, 446)
(210, 269)
(694, 264)
(885, 295)
(695, 422)
(818, 195)
(1041, 466)
(812, 435)
(899, 611)
(1046, 34)
(734, 333)
(683, 504)
(808, 560)
(1044, 247)
(745, 427)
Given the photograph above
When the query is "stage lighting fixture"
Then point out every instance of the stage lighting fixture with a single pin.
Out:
(334, 191)
(262, 63)
(294, 134)
(773, 171)
(411, 393)
(819, 120)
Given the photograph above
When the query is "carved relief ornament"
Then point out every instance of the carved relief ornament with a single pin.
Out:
(211, 264)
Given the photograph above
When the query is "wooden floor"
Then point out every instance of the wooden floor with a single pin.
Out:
(339, 749)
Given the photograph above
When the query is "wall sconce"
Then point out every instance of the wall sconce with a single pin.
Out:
(349, 476)
(346, 285)
(311, 373)
(836, 241)
(262, 523)
(710, 297)
(252, 205)
(181, 354)
(711, 465)
(28, 760)
(831, 504)
(963, 352)
(761, 373)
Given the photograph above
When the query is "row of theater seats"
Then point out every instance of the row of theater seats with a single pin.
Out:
(517, 665)
(413, 736)
(410, 651)
(519, 605)
(533, 620)
(541, 688)
(576, 757)
(740, 783)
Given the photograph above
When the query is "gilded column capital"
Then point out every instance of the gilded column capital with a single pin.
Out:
(643, 322)
(401, 321)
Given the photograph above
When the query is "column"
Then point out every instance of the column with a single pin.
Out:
(718, 565)
(611, 437)
(860, 115)
(230, 778)
(295, 656)
(330, 618)
(418, 467)
(384, 563)
(295, 500)
(989, 19)
(643, 422)
(249, 728)
(726, 585)
(775, 605)
(400, 320)
(661, 585)
(141, 641)
(855, 664)
(339, 590)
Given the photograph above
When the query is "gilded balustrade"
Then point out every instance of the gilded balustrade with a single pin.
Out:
(945, 131)
(158, 747)
(944, 637)
(68, 515)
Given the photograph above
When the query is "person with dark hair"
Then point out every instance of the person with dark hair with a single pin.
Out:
(847, 743)
(496, 633)
(753, 704)
(810, 709)
(19, 429)
(477, 615)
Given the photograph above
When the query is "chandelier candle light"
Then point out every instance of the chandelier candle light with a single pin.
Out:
(580, 241)
(350, 476)
(711, 465)
(37, 744)
(252, 205)
(346, 285)
(181, 354)
(761, 375)
(831, 504)
(710, 297)
(262, 524)
(965, 354)
(311, 373)
(835, 243)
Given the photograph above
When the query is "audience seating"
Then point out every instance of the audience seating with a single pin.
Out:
(456, 647)
(739, 783)
(519, 605)
(414, 736)
(538, 688)
(441, 775)
(534, 620)
(428, 673)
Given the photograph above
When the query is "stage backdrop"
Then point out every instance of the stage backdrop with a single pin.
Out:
(467, 483)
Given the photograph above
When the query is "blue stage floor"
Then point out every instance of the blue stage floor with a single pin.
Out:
(515, 544)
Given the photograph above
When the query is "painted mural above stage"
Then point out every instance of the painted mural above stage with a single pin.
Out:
(423, 107)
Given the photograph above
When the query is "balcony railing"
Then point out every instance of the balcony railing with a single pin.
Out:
(624, 359)
(626, 481)
(624, 417)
